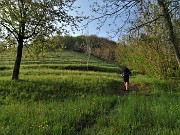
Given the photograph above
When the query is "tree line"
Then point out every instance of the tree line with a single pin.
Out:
(100, 47)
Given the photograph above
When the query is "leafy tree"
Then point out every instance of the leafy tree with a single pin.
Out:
(2, 49)
(56, 43)
(78, 43)
(147, 55)
(132, 9)
(26, 19)
(68, 42)
(39, 46)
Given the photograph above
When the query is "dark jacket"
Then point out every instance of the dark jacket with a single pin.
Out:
(126, 72)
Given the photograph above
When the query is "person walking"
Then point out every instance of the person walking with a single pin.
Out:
(125, 74)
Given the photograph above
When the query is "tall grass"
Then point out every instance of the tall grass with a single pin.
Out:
(56, 96)
(139, 115)
(40, 118)
(43, 84)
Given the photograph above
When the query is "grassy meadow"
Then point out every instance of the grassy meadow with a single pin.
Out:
(57, 95)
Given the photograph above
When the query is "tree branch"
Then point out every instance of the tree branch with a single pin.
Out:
(9, 29)
(146, 23)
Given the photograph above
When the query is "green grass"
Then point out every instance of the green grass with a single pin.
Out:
(39, 85)
(140, 115)
(67, 117)
(58, 96)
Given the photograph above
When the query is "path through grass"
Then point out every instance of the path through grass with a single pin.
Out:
(52, 99)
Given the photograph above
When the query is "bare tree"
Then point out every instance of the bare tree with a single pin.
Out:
(87, 45)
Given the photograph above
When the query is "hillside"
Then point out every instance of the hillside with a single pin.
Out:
(60, 95)
(61, 72)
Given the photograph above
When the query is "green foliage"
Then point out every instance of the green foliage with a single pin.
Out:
(41, 46)
(50, 99)
(2, 47)
(24, 20)
(148, 56)
(148, 48)
(32, 18)
(100, 47)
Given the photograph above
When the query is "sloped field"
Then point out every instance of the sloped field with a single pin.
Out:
(61, 95)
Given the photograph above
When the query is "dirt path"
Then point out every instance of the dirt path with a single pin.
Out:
(144, 88)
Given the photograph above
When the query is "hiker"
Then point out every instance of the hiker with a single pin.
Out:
(125, 74)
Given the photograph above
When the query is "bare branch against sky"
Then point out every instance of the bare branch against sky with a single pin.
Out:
(103, 27)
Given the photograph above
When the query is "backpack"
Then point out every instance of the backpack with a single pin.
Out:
(126, 72)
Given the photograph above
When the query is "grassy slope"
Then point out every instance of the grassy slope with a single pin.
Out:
(51, 100)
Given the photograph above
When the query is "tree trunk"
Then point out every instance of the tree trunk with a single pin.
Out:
(172, 35)
(15, 75)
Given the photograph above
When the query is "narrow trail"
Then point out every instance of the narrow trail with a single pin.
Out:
(144, 88)
(90, 120)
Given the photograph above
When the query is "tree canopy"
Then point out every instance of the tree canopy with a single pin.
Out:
(29, 18)
(139, 13)
(26, 19)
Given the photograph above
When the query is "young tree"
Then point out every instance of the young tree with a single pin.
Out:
(87, 45)
(25, 19)
(115, 10)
